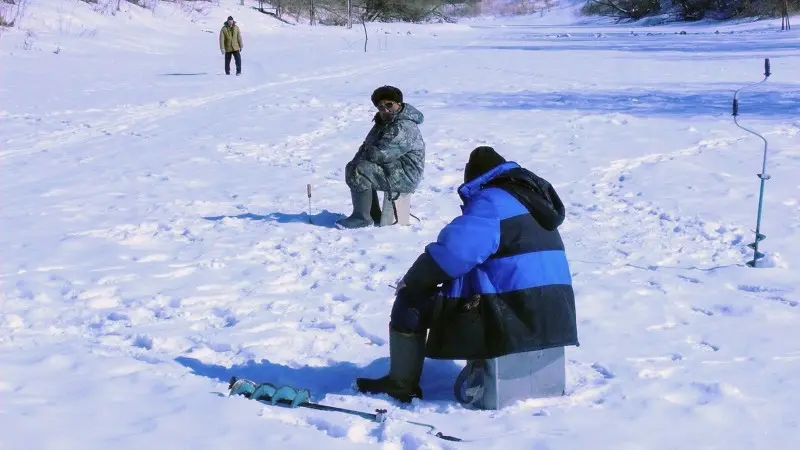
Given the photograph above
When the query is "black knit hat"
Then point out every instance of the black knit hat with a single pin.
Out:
(390, 93)
(481, 160)
(230, 18)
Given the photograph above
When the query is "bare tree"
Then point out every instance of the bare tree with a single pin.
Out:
(12, 11)
(622, 9)
(366, 36)
(785, 25)
(695, 9)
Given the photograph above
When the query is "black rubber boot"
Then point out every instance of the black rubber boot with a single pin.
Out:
(375, 211)
(406, 356)
(362, 203)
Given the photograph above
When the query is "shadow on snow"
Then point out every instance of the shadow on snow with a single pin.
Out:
(437, 377)
(325, 219)
(757, 102)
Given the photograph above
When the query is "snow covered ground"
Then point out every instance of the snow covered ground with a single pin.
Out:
(155, 237)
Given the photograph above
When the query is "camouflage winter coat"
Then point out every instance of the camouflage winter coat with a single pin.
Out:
(230, 39)
(392, 157)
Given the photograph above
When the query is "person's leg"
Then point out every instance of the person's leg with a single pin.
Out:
(375, 211)
(360, 217)
(228, 63)
(361, 177)
(238, 57)
(411, 315)
(365, 175)
(412, 312)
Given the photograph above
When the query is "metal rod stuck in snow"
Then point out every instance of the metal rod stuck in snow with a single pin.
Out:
(308, 192)
(763, 175)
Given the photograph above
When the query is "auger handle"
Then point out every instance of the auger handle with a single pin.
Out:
(447, 438)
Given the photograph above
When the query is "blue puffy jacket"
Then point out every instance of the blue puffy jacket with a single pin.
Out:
(505, 280)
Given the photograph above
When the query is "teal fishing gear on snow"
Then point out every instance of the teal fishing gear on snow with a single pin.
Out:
(268, 393)
(763, 175)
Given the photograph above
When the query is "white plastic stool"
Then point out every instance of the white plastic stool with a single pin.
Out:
(403, 206)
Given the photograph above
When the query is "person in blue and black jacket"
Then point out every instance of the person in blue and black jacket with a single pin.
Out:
(495, 282)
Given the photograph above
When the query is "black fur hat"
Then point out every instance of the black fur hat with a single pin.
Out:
(390, 93)
(481, 160)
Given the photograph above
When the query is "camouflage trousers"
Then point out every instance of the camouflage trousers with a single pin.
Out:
(363, 175)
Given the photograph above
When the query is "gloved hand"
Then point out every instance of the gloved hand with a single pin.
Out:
(223, 52)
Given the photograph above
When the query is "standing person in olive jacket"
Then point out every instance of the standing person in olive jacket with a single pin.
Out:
(505, 281)
(391, 158)
(230, 44)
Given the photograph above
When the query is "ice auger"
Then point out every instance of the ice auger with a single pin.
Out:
(293, 397)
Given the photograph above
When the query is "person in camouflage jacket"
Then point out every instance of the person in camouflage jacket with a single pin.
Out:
(391, 159)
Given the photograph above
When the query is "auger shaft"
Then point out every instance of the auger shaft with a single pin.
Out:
(288, 396)
(763, 177)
